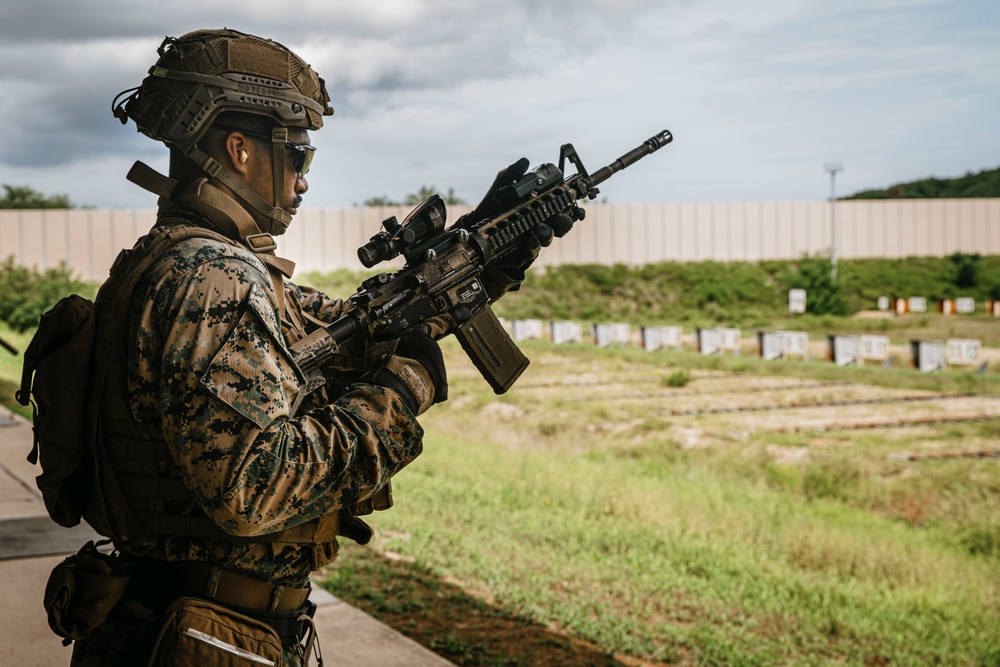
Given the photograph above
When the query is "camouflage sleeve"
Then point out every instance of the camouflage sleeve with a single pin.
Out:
(316, 303)
(227, 384)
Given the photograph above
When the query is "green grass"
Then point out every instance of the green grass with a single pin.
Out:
(10, 367)
(747, 294)
(635, 560)
(721, 555)
(590, 531)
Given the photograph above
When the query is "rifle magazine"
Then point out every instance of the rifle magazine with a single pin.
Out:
(492, 350)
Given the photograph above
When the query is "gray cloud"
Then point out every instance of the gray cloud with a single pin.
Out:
(62, 63)
(446, 92)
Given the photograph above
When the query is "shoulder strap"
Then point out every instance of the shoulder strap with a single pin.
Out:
(223, 211)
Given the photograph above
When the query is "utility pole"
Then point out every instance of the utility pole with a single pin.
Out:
(833, 168)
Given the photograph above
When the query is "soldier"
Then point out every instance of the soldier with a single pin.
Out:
(237, 482)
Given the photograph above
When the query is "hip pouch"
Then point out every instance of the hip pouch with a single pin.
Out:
(199, 633)
(81, 592)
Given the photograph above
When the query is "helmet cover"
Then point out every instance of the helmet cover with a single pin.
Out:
(207, 72)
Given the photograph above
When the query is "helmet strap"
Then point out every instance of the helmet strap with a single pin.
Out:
(224, 212)
(279, 137)
(277, 218)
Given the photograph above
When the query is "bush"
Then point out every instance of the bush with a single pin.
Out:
(824, 296)
(26, 293)
(966, 269)
(23, 196)
(677, 379)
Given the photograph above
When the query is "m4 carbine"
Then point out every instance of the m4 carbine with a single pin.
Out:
(443, 274)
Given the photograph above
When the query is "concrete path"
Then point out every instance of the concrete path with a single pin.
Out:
(31, 545)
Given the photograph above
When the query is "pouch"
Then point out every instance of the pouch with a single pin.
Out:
(199, 633)
(81, 592)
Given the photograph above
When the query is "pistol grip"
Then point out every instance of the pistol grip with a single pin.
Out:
(491, 350)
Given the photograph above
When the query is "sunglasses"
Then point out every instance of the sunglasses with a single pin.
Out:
(303, 152)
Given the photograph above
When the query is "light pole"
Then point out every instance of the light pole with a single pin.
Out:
(832, 168)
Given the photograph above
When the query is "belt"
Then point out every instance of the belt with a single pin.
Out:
(240, 590)
(227, 587)
(288, 610)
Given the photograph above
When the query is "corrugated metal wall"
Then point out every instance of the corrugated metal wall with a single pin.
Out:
(327, 239)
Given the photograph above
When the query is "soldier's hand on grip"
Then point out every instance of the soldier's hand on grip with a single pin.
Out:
(416, 371)
(517, 262)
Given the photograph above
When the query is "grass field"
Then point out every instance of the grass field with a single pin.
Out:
(10, 367)
(620, 507)
(551, 526)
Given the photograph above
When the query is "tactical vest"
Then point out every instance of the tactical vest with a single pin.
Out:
(143, 495)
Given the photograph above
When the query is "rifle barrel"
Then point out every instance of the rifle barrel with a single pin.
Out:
(652, 144)
(7, 346)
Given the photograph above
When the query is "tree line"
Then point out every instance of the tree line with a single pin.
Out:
(26, 197)
(22, 196)
(984, 183)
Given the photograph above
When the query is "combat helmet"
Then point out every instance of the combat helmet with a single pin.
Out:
(205, 73)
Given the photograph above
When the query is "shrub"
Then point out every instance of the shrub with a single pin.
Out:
(27, 293)
(995, 291)
(677, 379)
(966, 269)
(824, 296)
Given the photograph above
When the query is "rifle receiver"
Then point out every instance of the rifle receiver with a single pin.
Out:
(650, 145)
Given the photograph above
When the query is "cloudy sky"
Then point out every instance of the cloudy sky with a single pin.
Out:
(759, 95)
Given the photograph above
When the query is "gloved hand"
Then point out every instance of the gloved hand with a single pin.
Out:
(501, 197)
(415, 371)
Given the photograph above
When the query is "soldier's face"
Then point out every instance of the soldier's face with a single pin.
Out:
(261, 179)
(295, 182)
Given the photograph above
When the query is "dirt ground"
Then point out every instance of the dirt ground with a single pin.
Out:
(459, 626)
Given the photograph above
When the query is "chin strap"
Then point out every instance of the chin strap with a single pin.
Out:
(278, 218)
(225, 213)
(279, 137)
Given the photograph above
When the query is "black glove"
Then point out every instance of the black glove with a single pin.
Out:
(415, 371)
(501, 197)
(518, 261)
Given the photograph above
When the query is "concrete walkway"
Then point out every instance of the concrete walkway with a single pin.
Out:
(31, 545)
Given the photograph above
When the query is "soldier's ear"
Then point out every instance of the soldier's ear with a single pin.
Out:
(239, 154)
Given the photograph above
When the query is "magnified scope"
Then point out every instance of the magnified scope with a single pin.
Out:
(422, 223)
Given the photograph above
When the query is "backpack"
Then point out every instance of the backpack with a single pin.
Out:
(60, 358)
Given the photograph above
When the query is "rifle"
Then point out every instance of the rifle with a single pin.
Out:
(7, 346)
(443, 274)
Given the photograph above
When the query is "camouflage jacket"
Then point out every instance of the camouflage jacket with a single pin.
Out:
(210, 373)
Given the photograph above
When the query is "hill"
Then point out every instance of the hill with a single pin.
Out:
(985, 183)
(744, 293)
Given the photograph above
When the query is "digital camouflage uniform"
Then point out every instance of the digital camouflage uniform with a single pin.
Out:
(209, 371)
(207, 452)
